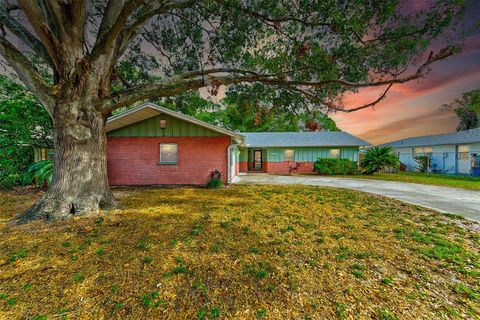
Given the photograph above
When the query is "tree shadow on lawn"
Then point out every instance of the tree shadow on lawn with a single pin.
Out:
(242, 252)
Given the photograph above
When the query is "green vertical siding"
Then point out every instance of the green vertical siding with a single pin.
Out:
(243, 154)
(310, 154)
(175, 128)
(302, 154)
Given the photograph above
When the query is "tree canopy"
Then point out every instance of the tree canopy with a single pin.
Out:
(467, 109)
(243, 111)
(315, 50)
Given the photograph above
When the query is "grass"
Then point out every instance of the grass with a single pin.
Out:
(243, 252)
(464, 182)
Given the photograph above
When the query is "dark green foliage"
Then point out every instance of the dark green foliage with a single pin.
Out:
(258, 108)
(423, 163)
(214, 183)
(151, 300)
(40, 173)
(293, 48)
(260, 314)
(387, 281)
(22, 253)
(25, 124)
(467, 109)
(383, 314)
(260, 271)
(358, 274)
(335, 167)
(378, 158)
(472, 294)
(147, 260)
(143, 245)
(78, 277)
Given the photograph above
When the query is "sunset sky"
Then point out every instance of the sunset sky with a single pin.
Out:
(413, 109)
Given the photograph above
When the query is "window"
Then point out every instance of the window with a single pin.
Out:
(289, 155)
(463, 152)
(422, 151)
(335, 153)
(168, 153)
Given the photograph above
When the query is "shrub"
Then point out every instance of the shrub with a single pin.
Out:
(214, 183)
(24, 124)
(39, 172)
(335, 166)
(423, 163)
(295, 166)
(378, 158)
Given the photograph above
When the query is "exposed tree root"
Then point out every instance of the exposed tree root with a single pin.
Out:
(54, 207)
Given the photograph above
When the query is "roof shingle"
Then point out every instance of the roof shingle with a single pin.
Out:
(462, 137)
(302, 139)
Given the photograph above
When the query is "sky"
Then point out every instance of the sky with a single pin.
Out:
(413, 109)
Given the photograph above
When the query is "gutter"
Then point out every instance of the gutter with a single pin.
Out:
(229, 161)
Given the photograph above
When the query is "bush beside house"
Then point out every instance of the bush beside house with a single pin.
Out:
(423, 163)
(378, 158)
(335, 167)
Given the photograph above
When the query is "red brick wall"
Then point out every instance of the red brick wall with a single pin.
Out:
(282, 167)
(135, 160)
(243, 166)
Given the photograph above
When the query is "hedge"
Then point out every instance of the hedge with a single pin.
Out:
(335, 167)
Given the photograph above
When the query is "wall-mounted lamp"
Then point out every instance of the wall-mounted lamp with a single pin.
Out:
(163, 125)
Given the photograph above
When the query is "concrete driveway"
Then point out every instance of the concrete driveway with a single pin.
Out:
(444, 199)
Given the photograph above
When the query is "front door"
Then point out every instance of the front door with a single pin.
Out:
(257, 160)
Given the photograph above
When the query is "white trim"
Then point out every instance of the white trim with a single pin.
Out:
(160, 152)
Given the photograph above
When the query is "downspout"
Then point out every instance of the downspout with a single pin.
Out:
(456, 159)
(229, 160)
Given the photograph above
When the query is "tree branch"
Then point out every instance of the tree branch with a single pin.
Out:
(68, 18)
(42, 29)
(199, 79)
(23, 34)
(331, 106)
(113, 24)
(153, 8)
(27, 73)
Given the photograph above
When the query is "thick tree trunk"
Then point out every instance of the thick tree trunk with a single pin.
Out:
(80, 181)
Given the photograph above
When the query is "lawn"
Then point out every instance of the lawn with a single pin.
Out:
(243, 252)
(466, 182)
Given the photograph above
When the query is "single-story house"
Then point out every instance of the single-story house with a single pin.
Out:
(453, 153)
(276, 152)
(149, 145)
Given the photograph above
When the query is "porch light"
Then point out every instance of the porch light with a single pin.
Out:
(163, 123)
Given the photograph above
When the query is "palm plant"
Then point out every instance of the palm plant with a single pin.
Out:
(378, 158)
(39, 173)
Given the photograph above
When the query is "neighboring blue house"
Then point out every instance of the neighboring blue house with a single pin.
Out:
(453, 153)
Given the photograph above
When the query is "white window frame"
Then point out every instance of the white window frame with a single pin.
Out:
(160, 153)
(421, 151)
(289, 158)
(335, 153)
(463, 152)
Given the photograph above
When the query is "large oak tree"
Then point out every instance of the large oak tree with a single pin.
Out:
(314, 51)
